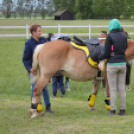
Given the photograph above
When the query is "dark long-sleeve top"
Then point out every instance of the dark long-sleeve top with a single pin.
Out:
(30, 45)
(117, 40)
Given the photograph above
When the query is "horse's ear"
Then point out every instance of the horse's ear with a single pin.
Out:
(49, 36)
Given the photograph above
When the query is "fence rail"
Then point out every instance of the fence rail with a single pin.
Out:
(27, 35)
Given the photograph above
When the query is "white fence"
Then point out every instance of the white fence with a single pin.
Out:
(27, 35)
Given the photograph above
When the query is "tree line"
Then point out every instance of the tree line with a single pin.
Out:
(100, 9)
(81, 9)
(27, 8)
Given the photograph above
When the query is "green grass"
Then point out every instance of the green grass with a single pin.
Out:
(71, 116)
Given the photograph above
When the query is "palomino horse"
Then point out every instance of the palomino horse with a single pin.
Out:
(61, 55)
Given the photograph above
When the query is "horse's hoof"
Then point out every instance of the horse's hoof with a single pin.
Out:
(34, 116)
(91, 108)
(107, 101)
(30, 111)
(91, 100)
(68, 89)
(33, 112)
(108, 107)
(91, 103)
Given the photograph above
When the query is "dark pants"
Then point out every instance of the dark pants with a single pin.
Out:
(103, 83)
(59, 80)
(128, 73)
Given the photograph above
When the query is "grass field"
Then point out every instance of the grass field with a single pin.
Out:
(72, 115)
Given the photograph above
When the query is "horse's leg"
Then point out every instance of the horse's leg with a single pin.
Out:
(107, 100)
(36, 96)
(94, 93)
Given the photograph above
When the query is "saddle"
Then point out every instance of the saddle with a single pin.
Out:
(58, 37)
(94, 45)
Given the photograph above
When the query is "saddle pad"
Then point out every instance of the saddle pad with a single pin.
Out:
(86, 51)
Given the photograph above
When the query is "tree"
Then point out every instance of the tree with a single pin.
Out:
(21, 7)
(50, 7)
(42, 8)
(28, 8)
(128, 8)
(65, 5)
(7, 6)
(83, 9)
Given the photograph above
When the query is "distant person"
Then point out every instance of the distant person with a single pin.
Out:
(30, 45)
(129, 67)
(103, 35)
(58, 81)
(128, 71)
(67, 84)
(128, 74)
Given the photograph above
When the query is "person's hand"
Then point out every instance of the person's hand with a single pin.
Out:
(34, 72)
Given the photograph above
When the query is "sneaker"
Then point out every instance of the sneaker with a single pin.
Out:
(63, 95)
(112, 112)
(122, 112)
(128, 88)
(48, 109)
(54, 96)
(68, 89)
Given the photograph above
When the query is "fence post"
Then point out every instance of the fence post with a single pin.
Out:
(89, 31)
(58, 28)
(27, 31)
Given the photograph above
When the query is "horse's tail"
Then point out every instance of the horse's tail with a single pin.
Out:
(35, 64)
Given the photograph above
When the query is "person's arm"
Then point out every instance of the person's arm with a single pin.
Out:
(27, 56)
(107, 48)
(44, 39)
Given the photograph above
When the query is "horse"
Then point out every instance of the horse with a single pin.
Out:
(60, 55)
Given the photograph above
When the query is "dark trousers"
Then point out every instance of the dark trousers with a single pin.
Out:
(103, 83)
(59, 80)
(128, 73)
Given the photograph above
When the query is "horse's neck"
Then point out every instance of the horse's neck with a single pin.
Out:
(103, 41)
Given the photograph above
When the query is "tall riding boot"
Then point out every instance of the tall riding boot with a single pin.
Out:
(48, 109)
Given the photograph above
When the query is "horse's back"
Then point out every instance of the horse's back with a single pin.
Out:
(53, 55)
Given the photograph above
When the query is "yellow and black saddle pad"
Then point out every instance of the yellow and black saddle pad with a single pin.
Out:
(90, 54)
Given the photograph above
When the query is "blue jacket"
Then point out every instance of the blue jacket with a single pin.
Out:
(30, 45)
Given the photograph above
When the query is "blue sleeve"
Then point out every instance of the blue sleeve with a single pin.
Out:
(44, 39)
(27, 56)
